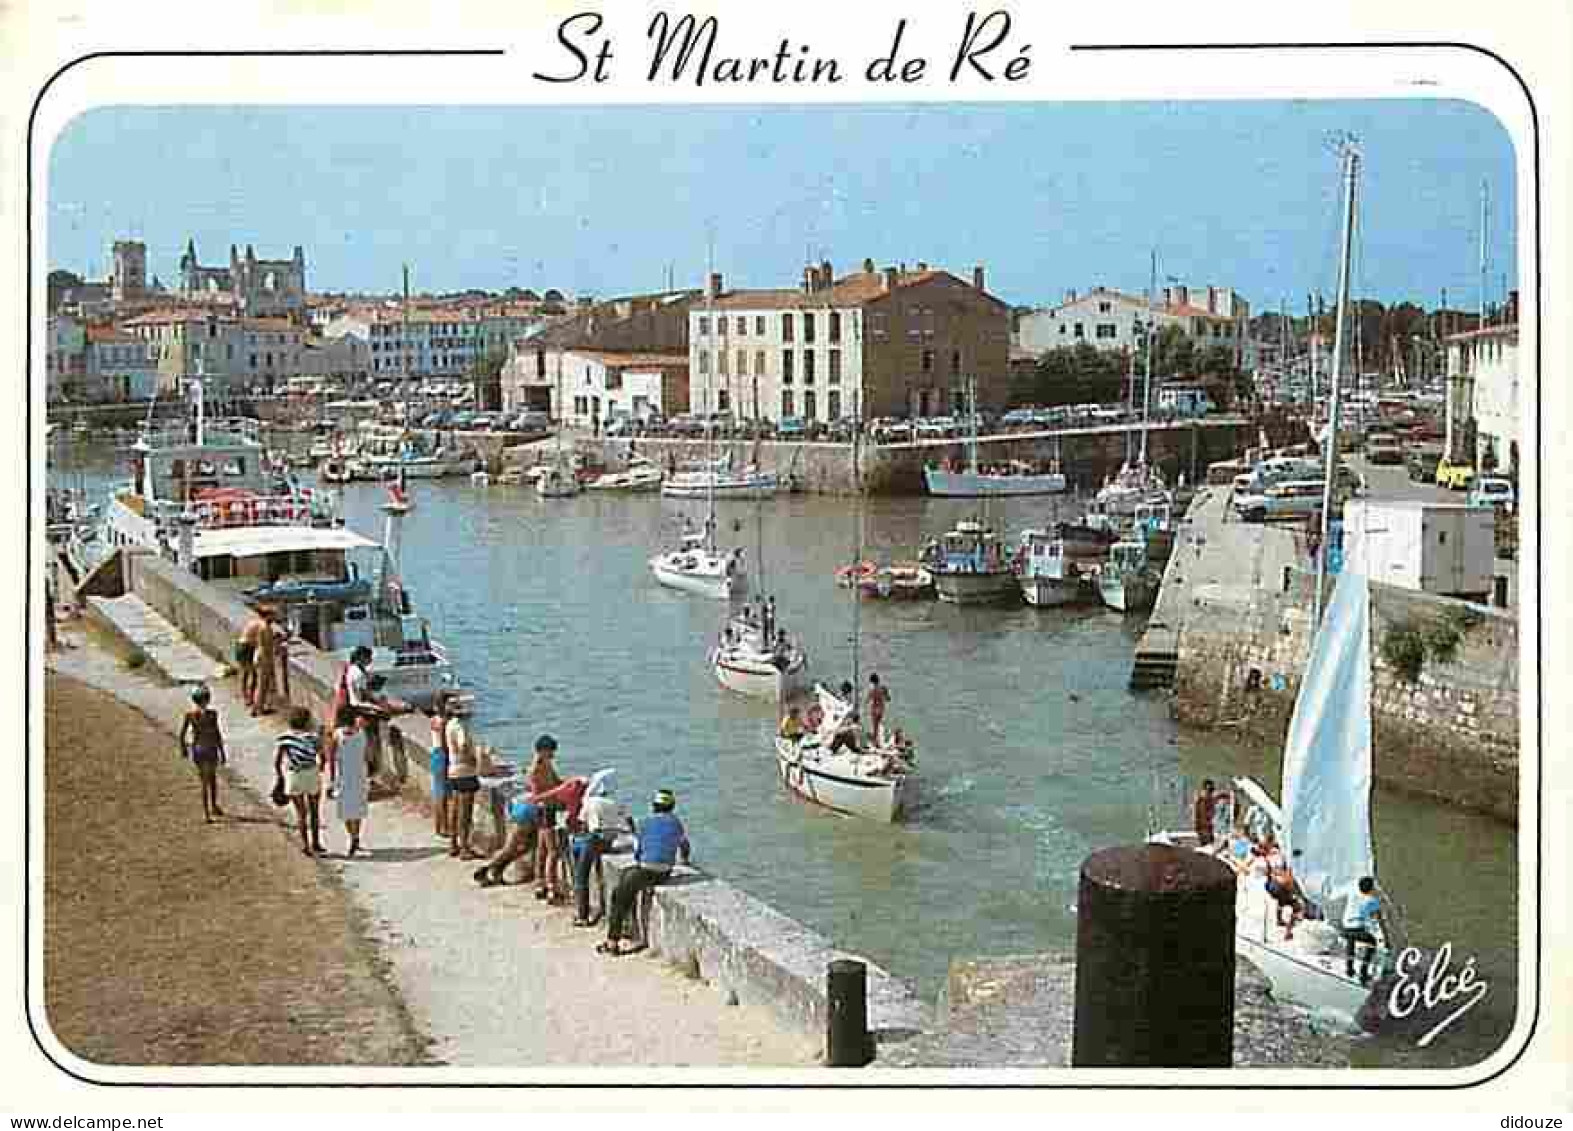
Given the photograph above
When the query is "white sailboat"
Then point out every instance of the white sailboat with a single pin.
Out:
(1324, 826)
(875, 779)
(1139, 482)
(1019, 478)
(697, 566)
(754, 657)
(557, 480)
(719, 480)
(639, 476)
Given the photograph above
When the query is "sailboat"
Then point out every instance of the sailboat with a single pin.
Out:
(697, 565)
(1324, 825)
(876, 780)
(1017, 478)
(1137, 483)
(754, 656)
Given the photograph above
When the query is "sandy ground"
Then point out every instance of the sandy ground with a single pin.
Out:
(169, 941)
(490, 976)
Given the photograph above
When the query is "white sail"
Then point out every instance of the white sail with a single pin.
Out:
(1327, 762)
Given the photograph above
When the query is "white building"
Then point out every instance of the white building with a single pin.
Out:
(604, 384)
(1112, 320)
(1482, 388)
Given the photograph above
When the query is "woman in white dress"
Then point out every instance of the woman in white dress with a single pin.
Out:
(354, 778)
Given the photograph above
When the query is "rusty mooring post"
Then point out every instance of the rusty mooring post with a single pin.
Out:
(847, 1040)
(1154, 960)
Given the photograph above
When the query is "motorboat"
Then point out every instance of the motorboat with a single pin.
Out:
(1127, 582)
(1016, 477)
(639, 476)
(970, 566)
(877, 781)
(754, 658)
(1047, 575)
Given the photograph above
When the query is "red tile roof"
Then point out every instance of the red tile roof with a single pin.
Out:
(621, 360)
(849, 290)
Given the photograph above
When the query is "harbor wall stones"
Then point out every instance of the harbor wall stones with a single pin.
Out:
(1451, 734)
(698, 921)
(1087, 455)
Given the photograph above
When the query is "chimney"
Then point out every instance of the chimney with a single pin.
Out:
(826, 275)
(977, 277)
(1070, 296)
(713, 285)
(890, 280)
(922, 266)
(868, 267)
(808, 279)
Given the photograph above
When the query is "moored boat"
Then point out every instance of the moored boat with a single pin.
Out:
(1127, 582)
(697, 567)
(970, 566)
(639, 476)
(1046, 575)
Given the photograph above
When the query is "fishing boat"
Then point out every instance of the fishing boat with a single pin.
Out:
(755, 658)
(1018, 477)
(720, 481)
(970, 565)
(202, 496)
(1154, 523)
(639, 476)
(1047, 575)
(899, 581)
(1127, 582)
(557, 481)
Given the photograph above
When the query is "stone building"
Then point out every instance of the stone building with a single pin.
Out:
(128, 276)
(255, 287)
(1112, 320)
(889, 342)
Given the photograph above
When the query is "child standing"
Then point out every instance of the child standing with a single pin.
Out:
(202, 743)
(297, 762)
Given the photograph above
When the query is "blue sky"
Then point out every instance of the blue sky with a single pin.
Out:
(603, 200)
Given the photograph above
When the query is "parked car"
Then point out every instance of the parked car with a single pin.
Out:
(1383, 447)
(1454, 476)
(1493, 491)
(1293, 498)
(1422, 465)
(791, 428)
(843, 430)
(483, 421)
(1021, 418)
(687, 424)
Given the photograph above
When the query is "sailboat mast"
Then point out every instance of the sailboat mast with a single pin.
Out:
(710, 367)
(1152, 321)
(857, 555)
(1330, 449)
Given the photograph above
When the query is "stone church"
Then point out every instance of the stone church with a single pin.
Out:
(257, 287)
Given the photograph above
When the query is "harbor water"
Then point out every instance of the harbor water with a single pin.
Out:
(1033, 752)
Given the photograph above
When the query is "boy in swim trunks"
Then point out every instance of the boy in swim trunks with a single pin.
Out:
(202, 743)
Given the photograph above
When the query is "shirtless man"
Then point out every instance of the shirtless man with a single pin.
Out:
(264, 664)
(246, 656)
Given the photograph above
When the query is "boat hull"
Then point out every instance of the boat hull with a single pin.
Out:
(886, 800)
(1046, 592)
(759, 679)
(1127, 593)
(763, 489)
(670, 571)
(975, 588)
(976, 484)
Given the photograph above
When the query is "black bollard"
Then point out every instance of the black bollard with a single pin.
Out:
(1154, 960)
(847, 1041)
(1499, 591)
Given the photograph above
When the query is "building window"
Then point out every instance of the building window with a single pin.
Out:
(835, 367)
(788, 404)
(704, 327)
(877, 329)
(759, 325)
(742, 362)
(808, 327)
(742, 327)
(833, 405)
(704, 361)
(835, 325)
(808, 367)
(955, 361)
(723, 401)
(786, 328)
(786, 367)
(927, 361)
(808, 405)
(1062, 328)
(720, 357)
(759, 363)
(1079, 331)
(720, 326)
(1103, 308)
(1106, 330)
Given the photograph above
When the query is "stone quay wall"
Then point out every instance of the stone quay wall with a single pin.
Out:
(1452, 734)
(696, 920)
(1087, 455)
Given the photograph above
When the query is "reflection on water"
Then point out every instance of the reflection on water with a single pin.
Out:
(1033, 752)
